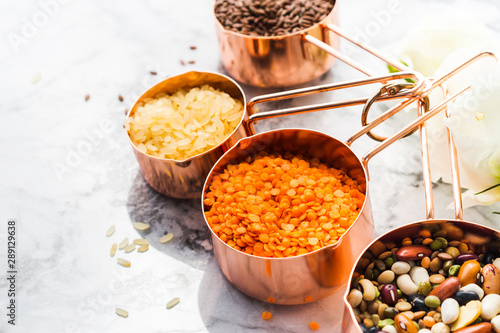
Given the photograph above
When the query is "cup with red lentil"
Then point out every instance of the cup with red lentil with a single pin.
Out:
(289, 213)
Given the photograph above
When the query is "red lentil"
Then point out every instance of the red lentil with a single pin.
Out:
(274, 206)
(313, 325)
(266, 315)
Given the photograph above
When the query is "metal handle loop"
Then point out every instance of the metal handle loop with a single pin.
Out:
(389, 89)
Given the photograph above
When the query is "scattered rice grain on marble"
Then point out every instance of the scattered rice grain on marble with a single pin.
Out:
(173, 302)
(110, 231)
(123, 244)
(141, 226)
(143, 248)
(36, 78)
(167, 238)
(121, 312)
(123, 262)
(129, 248)
(112, 251)
(140, 241)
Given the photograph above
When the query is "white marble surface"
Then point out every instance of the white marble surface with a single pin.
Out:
(68, 172)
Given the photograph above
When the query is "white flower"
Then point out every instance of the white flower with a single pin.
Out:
(435, 47)
(475, 124)
(432, 40)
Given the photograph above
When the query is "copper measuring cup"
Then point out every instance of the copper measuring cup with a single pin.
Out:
(315, 275)
(482, 238)
(286, 60)
(277, 61)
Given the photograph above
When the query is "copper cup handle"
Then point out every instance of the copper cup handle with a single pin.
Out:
(406, 93)
(409, 128)
(327, 48)
(455, 172)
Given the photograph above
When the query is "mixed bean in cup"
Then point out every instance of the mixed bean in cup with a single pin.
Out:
(432, 276)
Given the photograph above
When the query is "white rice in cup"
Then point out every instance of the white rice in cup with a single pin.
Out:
(185, 123)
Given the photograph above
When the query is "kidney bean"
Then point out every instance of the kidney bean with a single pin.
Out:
(413, 252)
(491, 283)
(469, 272)
(404, 324)
(406, 284)
(450, 310)
(446, 289)
(464, 297)
(389, 294)
(418, 303)
(490, 306)
(461, 258)
(479, 328)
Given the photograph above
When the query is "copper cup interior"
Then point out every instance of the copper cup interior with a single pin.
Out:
(184, 179)
(277, 61)
(312, 276)
(483, 239)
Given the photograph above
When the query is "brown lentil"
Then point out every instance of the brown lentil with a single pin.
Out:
(276, 206)
(270, 17)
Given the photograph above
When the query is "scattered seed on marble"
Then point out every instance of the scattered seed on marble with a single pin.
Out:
(123, 244)
(140, 241)
(141, 226)
(112, 251)
(153, 73)
(167, 238)
(192, 47)
(121, 312)
(143, 248)
(120, 98)
(182, 62)
(173, 302)
(191, 62)
(110, 231)
(129, 248)
(123, 262)
(87, 97)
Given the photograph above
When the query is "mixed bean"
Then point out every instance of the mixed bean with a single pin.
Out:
(437, 282)
(281, 206)
(271, 17)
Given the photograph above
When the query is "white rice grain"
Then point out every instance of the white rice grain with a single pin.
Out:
(141, 226)
(129, 248)
(123, 244)
(121, 312)
(123, 262)
(173, 302)
(112, 251)
(167, 238)
(143, 248)
(110, 231)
